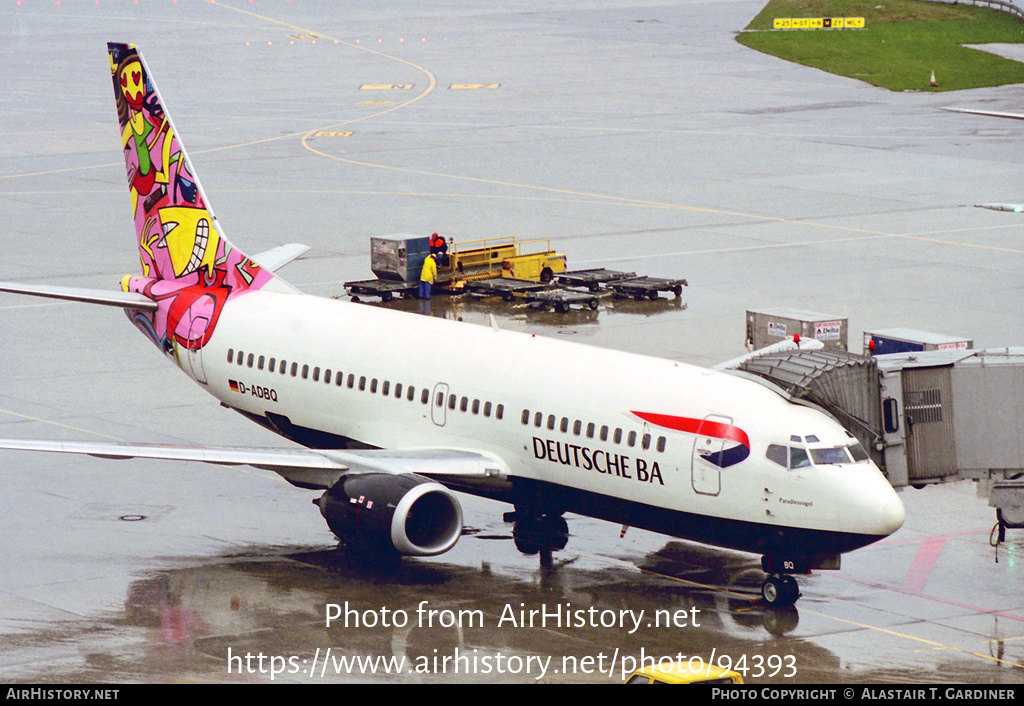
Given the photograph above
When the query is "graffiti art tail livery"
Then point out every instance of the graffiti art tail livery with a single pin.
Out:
(188, 267)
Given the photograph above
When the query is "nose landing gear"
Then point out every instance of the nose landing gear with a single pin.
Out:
(780, 590)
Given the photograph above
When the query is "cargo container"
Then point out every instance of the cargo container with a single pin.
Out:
(907, 340)
(768, 326)
(398, 257)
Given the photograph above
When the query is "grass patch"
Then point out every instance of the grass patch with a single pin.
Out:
(902, 42)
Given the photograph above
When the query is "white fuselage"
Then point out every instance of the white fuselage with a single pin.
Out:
(584, 426)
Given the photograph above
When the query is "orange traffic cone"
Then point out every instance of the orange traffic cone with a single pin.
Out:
(933, 81)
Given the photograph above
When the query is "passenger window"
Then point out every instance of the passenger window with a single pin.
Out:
(577, 427)
(316, 374)
(661, 444)
(385, 388)
(362, 383)
(476, 406)
(259, 362)
(551, 422)
(249, 360)
(284, 367)
(231, 355)
(295, 369)
(645, 442)
(463, 404)
(499, 411)
(272, 365)
(373, 385)
(590, 430)
(538, 418)
(327, 376)
(398, 390)
(451, 401)
(424, 395)
(305, 372)
(351, 380)
(617, 437)
(631, 439)
(564, 426)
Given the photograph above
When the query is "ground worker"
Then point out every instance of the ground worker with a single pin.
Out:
(428, 275)
(439, 247)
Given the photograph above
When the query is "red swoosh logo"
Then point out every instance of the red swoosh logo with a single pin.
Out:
(705, 427)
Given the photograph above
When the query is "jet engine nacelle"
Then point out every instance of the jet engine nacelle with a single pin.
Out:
(407, 514)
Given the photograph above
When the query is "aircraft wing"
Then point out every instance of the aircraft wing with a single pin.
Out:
(989, 113)
(123, 300)
(276, 258)
(305, 468)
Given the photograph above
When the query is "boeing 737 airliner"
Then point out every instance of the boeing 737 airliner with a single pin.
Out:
(388, 433)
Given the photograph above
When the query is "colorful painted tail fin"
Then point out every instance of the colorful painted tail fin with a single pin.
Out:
(189, 269)
(179, 237)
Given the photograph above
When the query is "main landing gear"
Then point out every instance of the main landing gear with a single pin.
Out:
(537, 533)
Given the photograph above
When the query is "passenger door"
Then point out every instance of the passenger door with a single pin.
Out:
(438, 404)
(706, 460)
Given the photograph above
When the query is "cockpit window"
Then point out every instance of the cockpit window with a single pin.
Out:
(858, 452)
(778, 454)
(798, 458)
(787, 456)
(795, 457)
(830, 456)
(854, 453)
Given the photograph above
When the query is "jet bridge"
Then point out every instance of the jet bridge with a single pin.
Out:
(925, 417)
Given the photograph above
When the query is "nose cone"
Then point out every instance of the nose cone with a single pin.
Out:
(890, 517)
(869, 506)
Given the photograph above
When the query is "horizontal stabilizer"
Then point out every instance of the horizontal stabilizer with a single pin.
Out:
(123, 300)
(306, 468)
(276, 258)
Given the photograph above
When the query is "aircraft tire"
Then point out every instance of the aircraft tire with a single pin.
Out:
(532, 535)
(778, 591)
(791, 589)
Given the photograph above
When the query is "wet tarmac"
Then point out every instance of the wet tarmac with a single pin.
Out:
(634, 137)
